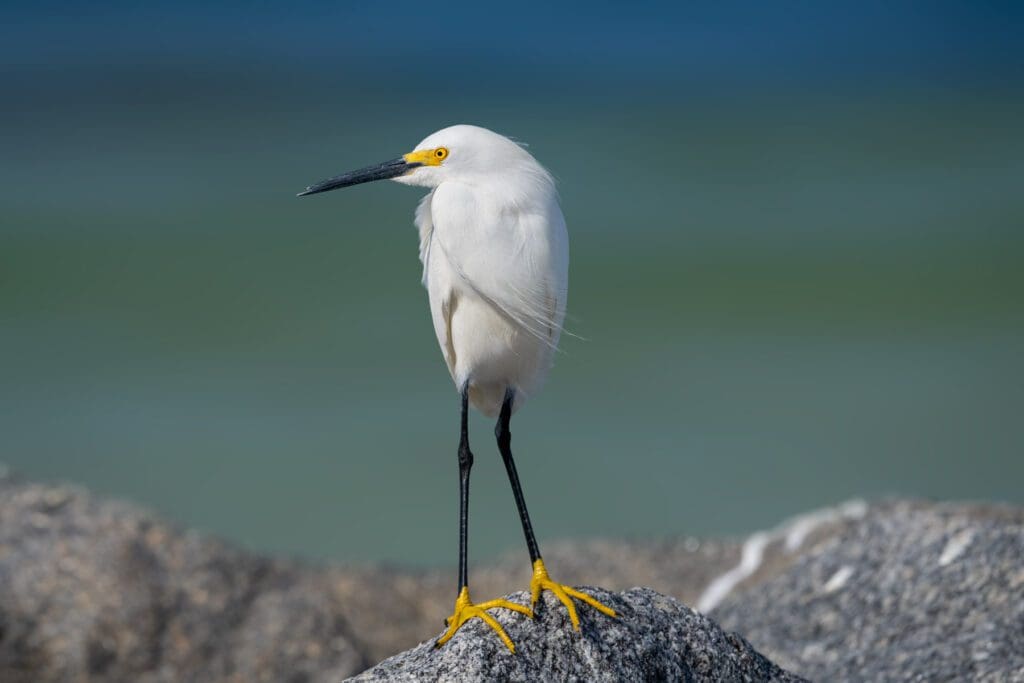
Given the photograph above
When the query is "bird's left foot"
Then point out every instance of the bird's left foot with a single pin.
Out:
(466, 610)
(542, 582)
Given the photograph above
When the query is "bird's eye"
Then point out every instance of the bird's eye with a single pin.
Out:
(441, 152)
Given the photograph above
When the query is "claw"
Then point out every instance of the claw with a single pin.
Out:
(542, 582)
(466, 610)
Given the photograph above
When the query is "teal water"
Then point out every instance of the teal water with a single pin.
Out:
(780, 301)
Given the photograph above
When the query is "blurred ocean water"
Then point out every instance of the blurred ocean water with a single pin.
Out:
(781, 297)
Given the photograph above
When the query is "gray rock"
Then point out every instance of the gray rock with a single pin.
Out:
(912, 591)
(102, 591)
(680, 567)
(654, 638)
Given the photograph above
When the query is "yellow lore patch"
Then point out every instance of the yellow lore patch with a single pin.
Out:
(427, 157)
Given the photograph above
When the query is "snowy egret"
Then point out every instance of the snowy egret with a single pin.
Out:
(495, 256)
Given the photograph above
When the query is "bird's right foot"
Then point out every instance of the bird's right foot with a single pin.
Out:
(542, 582)
(466, 610)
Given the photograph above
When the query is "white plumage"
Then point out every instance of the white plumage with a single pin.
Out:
(495, 255)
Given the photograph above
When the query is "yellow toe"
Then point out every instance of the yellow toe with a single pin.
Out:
(505, 604)
(466, 610)
(542, 582)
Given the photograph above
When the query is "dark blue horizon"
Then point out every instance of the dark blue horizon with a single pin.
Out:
(833, 44)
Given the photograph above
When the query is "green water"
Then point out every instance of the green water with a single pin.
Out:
(780, 302)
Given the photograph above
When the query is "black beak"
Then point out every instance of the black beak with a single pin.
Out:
(388, 169)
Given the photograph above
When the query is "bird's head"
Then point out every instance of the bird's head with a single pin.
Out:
(457, 152)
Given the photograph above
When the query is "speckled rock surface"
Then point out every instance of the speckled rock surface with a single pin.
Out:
(95, 590)
(913, 591)
(100, 590)
(683, 567)
(679, 567)
(654, 638)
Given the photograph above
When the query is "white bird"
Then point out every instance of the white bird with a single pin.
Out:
(495, 254)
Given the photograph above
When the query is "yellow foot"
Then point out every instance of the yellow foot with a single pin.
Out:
(466, 610)
(542, 582)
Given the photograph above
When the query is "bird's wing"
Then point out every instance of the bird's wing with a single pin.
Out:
(441, 300)
(425, 226)
(514, 258)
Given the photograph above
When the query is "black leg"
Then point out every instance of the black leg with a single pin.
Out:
(501, 431)
(465, 609)
(465, 464)
(540, 581)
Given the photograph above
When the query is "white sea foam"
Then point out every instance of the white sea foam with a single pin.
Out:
(793, 532)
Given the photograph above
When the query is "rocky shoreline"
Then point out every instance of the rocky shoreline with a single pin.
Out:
(102, 590)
